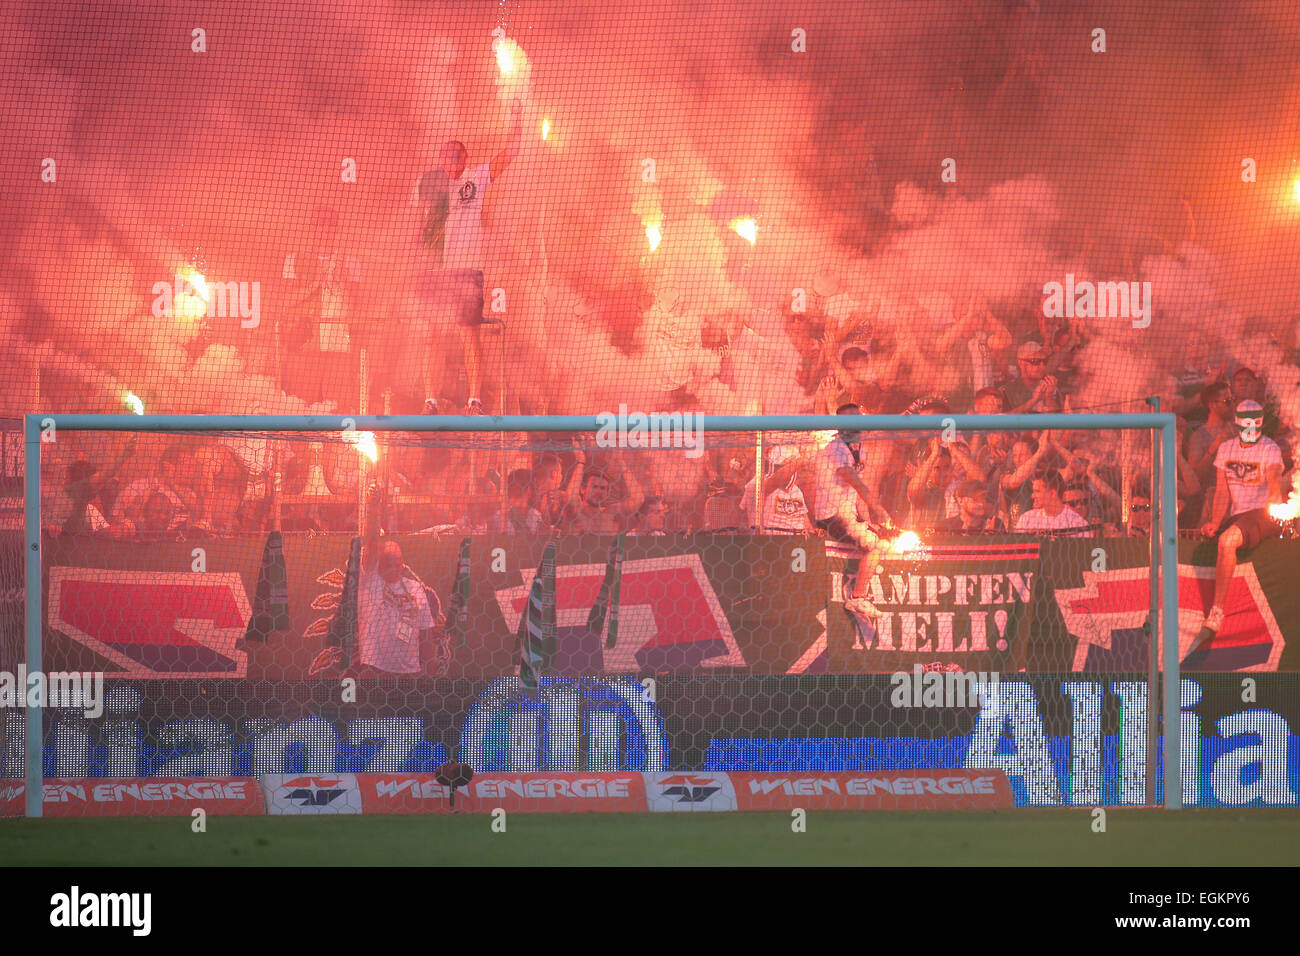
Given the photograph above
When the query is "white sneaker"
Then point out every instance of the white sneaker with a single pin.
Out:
(431, 406)
(862, 608)
(1210, 627)
(474, 407)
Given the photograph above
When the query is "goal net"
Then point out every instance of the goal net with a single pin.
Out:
(884, 608)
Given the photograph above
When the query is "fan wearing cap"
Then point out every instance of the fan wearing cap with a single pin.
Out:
(1250, 479)
(784, 509)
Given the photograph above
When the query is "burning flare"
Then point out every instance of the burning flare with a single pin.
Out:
(194, 294)
(546, 128)
(513, 70)
(132, 401)
(364, 443)
(1287, 511)
(747, 229)
(653, 236)
(507, 52)
(905, 543)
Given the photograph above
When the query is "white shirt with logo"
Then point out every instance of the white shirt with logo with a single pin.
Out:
(463, 248)
(389, 620)
(1246, 468)
(783, 511)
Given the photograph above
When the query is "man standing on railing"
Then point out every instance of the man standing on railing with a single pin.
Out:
(1250, 479)
(451, 198)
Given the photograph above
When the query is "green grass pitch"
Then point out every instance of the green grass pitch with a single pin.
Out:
(1194, 837)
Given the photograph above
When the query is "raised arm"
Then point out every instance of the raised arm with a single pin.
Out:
(635, 493)
(503, 159)
(1188, 483)
(962, 457)
(575, 476)
(916, 487)
(1017, 478)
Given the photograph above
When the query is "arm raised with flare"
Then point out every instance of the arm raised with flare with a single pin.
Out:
(502, 160)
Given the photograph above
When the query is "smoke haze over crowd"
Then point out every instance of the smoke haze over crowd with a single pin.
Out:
(1122, 165)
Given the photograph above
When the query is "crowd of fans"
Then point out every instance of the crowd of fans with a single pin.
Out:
(157, 487)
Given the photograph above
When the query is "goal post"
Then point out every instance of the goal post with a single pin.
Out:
(42, 431)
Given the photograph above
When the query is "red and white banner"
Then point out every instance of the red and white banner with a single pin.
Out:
(675, 792)
(512, 792)
(139, 797)
(879, 790)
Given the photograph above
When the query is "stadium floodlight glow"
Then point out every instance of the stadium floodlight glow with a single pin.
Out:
(40, 430)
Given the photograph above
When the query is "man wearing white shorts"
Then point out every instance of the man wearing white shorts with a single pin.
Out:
(452, 233)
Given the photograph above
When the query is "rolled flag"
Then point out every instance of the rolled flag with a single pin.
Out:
(615, 593)
(608, 595)
(341, 638)
(271, 598)
(458, 610)
(434, 195)
(537, 624)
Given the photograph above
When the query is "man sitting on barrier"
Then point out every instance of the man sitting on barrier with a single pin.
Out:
(1250, 479)
(841, 496)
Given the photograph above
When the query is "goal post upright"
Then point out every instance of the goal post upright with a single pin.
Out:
(1161, 422)
(33, 593)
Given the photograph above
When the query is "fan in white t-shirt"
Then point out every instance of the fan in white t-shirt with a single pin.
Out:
(1250, 479)
(393, 616)
(451, 197)
(1050, 513)
(784, 509)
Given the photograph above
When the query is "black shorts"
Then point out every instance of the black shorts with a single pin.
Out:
(1255, 526)
(837, 530)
